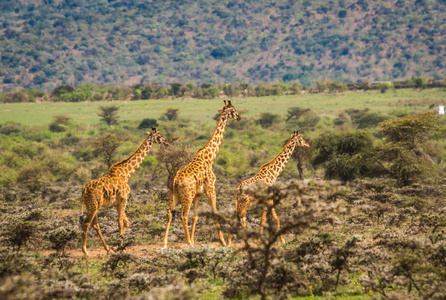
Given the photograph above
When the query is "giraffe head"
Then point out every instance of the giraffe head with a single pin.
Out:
(156, 138)
(230, 111)
(299, 140)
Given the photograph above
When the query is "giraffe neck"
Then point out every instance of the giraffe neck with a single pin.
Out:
(269, 172)
(209, 151)
(125, 168)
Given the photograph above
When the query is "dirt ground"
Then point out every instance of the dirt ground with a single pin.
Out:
(138, 250)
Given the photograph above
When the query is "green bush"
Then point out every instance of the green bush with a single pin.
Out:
(369, 120)
(344, 155)
(148, 123)
(268, 119)
(406, 146)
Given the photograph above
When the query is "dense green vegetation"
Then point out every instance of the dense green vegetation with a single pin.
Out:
(46, 43)
(378, 231)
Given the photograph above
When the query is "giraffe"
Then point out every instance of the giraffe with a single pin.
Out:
(267, 175)
(112, 189)
(197, 177)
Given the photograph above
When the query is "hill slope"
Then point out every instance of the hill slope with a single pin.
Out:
(46, 43)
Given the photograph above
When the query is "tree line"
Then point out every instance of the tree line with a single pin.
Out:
(147, 91)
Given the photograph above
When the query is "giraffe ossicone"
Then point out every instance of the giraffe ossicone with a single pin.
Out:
(112, 189)
(197, 178)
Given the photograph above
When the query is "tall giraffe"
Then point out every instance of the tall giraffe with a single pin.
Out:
(267, 175)
(197, 177)
(112, 189)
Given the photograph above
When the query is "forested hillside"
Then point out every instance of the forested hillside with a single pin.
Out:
(47, 43)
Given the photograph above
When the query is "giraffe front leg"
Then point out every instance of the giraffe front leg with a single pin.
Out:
(123, 221)
(98, 230)
(275, 217)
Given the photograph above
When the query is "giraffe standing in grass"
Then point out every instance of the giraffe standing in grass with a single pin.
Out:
(112, 189)
(196, 178)
(267, 175)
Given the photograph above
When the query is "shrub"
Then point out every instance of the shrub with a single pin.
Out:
(60, 238)
(294, 113)
(19, 233)
(406, 146)
(171, 114)
(268, 119)
(369, 120)
(148, 123)
(345, 155)
(9, 128)
(60, 90)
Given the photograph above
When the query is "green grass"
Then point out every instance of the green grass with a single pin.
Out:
(324, 105)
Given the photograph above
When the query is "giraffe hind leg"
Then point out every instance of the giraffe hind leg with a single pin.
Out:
(210, 193)
(171, 213)
(263, 219)
(275, 217)
(195, 217)
(184, 220)
(85, 225)
(98, 230)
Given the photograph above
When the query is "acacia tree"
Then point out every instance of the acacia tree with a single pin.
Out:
(109, 114)
(406, 146)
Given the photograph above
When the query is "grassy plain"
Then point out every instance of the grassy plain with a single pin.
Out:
(324, 105)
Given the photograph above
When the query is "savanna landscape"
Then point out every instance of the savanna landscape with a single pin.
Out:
(315, 126)
(362, 210)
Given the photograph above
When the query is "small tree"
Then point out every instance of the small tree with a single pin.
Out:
(109, 115)
(172, 114)
(173, 158)
(106, 145)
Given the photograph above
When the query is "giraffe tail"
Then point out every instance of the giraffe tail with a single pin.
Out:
(172, 200)
(81, 217)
